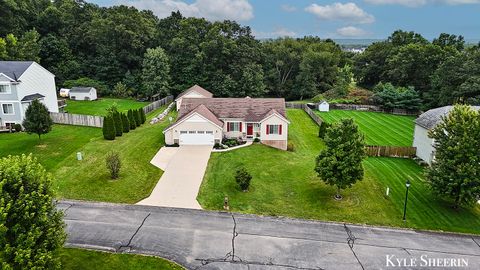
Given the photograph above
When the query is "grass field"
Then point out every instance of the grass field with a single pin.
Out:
(99, 107)
(79, 259)
(89, 179)
(285, 184)
(379, 128)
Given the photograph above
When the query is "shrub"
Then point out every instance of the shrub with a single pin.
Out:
(144, 117)
(108, 128)
(113, 164)
(125, 123)
(17, 127)
(138, 117)
(318, 98)
(117, 119)
(290, 146)
(131, 120)
(243, 178)
(256, 140)
(31, 227)
(323, 129)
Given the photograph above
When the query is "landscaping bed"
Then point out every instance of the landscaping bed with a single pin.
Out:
(285, 184)
(379, 128)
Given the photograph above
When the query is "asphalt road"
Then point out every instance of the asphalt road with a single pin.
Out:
(200, 239)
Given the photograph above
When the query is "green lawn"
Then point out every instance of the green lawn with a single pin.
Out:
(89, 179)
(79, 259)
(99, 107)
(285, 184)
(379, 128)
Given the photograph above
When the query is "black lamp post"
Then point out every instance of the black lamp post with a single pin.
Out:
(407, 184)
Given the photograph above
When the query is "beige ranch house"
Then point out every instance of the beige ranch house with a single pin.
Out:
(207, 120)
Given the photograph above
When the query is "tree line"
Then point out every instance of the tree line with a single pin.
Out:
(130, 53)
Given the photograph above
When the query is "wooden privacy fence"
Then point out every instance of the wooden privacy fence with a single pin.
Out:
(77, 119)
(157, 104)
(391, 151)
(372, 108)
(307, 109)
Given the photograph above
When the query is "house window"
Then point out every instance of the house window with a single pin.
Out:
(234, 127)
(7, 109)
(200, 132)
(274, 129)
(192, 132)
(209, 132)
(4, 89)
(183, 132)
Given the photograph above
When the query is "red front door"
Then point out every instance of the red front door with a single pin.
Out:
(249, 129)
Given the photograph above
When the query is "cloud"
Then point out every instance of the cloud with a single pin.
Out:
(351, 31)
(418, 3)
(349, 12)
(288, 8)
(279, 32)
(214, 10)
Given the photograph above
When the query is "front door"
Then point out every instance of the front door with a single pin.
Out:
(249, 129)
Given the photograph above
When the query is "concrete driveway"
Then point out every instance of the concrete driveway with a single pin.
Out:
(179, 184)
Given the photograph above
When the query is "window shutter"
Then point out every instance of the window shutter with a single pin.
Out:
(228, 126)
(268, 130)
(240, 126)
(280, 129)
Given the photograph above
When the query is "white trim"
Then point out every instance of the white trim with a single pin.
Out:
(9, 89)
(186, 118)
(7, 76)
(13, 109)
(278, 115)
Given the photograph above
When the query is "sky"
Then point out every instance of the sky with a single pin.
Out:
(363, 19)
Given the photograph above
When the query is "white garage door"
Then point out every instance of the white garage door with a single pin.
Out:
(194, 138)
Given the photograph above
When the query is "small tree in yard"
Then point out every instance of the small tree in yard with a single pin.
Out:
(108, 128)
(31, 228)
(117, 119)
(125, 123)
(323, 129)
(113, 164)
(243, 178)
(143, 116)
(455, 172)
(131, 120)
(138, 117)
(37, 119)
(340, 163)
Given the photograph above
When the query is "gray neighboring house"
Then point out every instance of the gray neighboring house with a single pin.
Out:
(423, 124)
(21, 82)
(83, 93)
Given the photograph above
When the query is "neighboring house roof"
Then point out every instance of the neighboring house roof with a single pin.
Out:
(433, 117)
(14, 69)
(32, 97)
(247, 109)
(81, 89)
(197, 89)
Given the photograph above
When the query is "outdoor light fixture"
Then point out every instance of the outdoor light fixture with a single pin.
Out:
(407, 184)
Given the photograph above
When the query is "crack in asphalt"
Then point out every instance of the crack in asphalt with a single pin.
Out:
(66, 209)
(351, 241)
(134, 234)
(475, 241)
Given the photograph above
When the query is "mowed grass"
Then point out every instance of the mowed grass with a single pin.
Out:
(378, 128)
(285, 184)
(53, 147)
(89, 178)
(79, 259)
(99, 107)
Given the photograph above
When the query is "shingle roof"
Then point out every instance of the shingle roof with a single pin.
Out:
(14, 69)
(197, 89)
(433, 117)
(203, 111)
(32, 97)
(247, 109)
(80, 89)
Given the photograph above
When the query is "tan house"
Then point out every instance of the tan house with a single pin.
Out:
(206, 121)
(193, 92)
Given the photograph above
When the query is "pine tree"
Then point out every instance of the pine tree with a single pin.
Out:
(138, 117)
(144, 117)
(118, 124)
(455, 172)
(131, 120)
(108, 128)
(37, 119)
(340, 163)
(125, 123)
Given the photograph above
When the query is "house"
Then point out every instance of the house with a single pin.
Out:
(83, 93)
(324, 106)
(206, 121)
(21, 82)
(423, 124)
(192, 92)
(64, 92)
